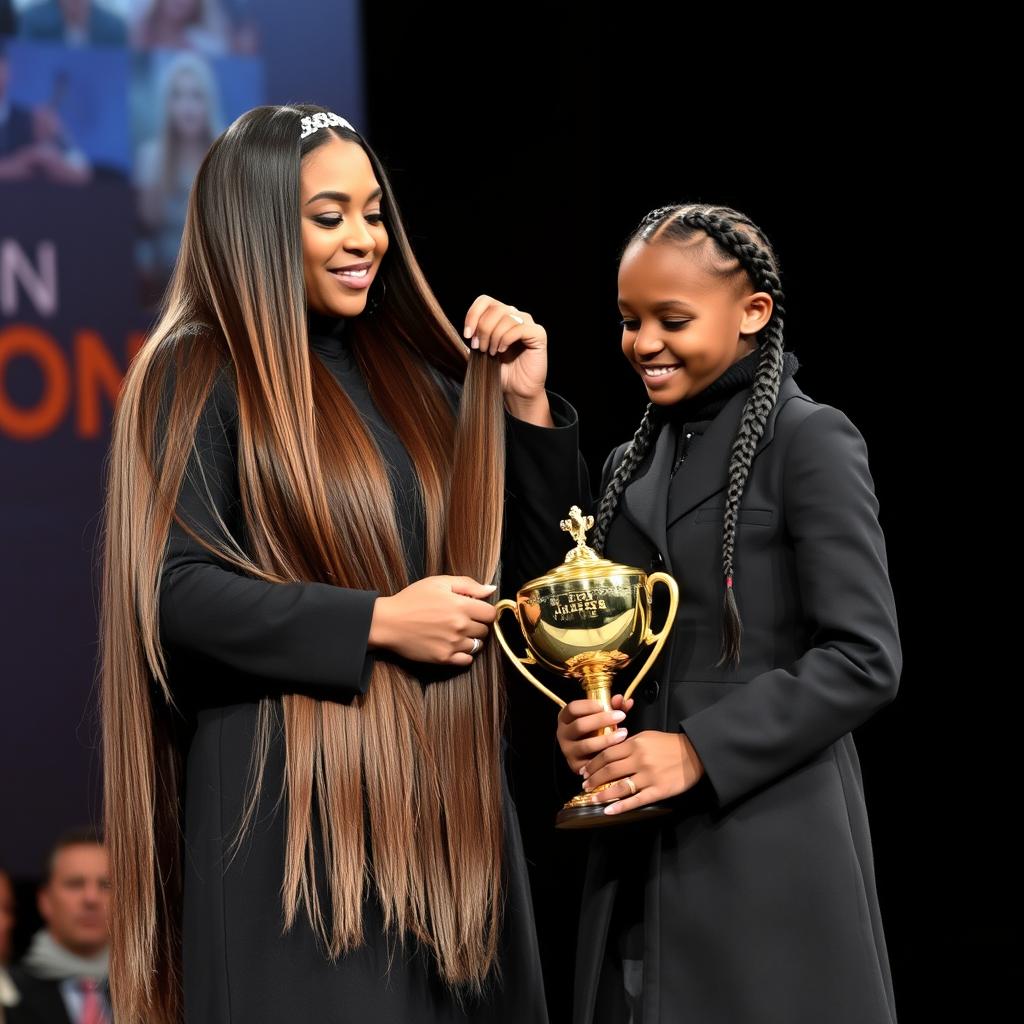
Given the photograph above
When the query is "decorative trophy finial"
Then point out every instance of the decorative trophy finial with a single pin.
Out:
(577, 525)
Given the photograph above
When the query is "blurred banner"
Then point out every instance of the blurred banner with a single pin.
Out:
(106, 110)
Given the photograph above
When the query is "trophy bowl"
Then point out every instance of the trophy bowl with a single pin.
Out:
(586, 620)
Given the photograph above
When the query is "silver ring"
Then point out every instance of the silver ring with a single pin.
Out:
(476, 645)
(518, 319)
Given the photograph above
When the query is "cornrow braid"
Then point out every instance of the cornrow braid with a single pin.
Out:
(735, 238)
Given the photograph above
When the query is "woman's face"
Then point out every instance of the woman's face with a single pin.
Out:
(342, 227)
(677, 315)
(181, 12)
(187, 105)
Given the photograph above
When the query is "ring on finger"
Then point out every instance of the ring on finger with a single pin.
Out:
(476, 645)
(518, 319)
(628, 780)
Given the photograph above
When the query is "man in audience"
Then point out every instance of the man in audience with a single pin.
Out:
(8, 993)
(62, 979)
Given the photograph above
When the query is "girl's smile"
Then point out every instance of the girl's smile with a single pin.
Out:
(656, 376)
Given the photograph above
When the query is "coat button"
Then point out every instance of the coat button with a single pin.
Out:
(657, 562)
(650, 691)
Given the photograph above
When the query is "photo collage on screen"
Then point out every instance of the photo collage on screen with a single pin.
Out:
(130, 91)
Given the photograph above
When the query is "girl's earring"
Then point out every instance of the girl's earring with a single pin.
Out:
(375, 300)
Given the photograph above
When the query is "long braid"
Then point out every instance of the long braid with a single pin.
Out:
(631, 458)
(760, 264)
(763, 394)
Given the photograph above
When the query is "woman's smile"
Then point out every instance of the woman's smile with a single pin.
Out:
(355, 275)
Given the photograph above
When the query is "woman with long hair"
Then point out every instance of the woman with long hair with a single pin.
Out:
(188, 118)
(305, 801)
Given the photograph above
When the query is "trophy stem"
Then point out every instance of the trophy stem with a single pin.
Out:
(597, 685)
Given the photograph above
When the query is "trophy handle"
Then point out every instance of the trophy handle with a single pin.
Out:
(658, 639)
(528, 659)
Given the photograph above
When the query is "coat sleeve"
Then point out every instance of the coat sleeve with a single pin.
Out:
(545, 475)
(854, 660)
(302, 634)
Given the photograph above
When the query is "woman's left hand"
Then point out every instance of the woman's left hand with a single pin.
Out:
(524, 367)
(661, 764)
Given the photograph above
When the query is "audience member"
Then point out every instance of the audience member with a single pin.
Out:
(62, 979)
(8, 993)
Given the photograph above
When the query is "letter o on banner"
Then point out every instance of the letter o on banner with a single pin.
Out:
(29, 424)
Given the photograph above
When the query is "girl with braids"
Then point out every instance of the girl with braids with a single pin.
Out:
(753, 900)
(305, 800)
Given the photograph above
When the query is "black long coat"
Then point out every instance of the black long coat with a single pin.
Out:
(758, 893)
(231, 639)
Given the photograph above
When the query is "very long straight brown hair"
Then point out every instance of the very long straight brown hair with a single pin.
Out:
(316, 506)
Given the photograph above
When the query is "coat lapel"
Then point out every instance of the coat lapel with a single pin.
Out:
(653, 504)
(645, 499)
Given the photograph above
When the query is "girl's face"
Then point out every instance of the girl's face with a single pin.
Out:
(676, 315)
(342, 227)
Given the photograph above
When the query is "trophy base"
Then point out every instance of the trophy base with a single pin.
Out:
(593, 816)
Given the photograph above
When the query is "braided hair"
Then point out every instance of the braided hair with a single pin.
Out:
(735, 247)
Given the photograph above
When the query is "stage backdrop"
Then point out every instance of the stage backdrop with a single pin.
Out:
(101, 132)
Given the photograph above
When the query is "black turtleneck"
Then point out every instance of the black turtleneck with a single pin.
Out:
(694, 413)
(327, 332)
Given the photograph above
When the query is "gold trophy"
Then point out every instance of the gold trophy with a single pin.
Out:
(588, 619)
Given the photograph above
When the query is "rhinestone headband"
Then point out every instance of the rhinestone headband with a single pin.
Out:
(322, 120)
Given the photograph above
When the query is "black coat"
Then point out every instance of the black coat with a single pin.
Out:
(41, 1001)
(231, 639)
(757, 894)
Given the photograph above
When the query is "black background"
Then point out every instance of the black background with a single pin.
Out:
(524, 151)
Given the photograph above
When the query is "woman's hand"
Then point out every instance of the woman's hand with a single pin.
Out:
(434, 619)
(579, 719)
(661, 764)
(521, 348)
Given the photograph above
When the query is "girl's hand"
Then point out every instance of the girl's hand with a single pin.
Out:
(661, 764)
(524, 366)
(578, 719)
(434, 619)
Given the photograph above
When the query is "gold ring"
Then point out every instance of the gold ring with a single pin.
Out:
(518, 319)
(628, 780)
